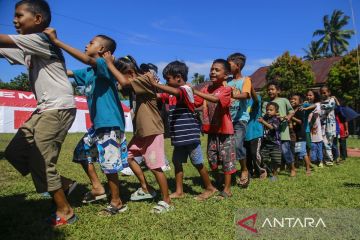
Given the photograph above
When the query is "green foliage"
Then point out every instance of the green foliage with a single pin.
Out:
(20, 82)
(333, 39)
(292, 74)
(313, 52)
(197, 79)
(344, 80)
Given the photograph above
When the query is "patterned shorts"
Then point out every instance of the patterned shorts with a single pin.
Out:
(105, 145)
(221, 151)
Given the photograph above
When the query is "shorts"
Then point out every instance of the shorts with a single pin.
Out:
(239, 136)
(36, 146)
(286, 152)
(181, 153)
(221, 150)
(104, 145)
(316, 152)
(271, 155)
(151, 148)
(300, 150)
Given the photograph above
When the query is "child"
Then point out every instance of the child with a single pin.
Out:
(286, 112)
(216, 100)
(148, 139)
(298, 126)
(240, 95)
(36, 146)
(184, 128)
(105, 140)
(253, 137)
(328, 122)
(343, 131)
(271, 143)
(316, 151)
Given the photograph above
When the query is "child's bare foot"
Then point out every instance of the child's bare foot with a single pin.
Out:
(308, 172)
(292, 173)
(176, 195)
(206, 194)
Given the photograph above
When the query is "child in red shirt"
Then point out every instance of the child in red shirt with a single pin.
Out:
(217, 123)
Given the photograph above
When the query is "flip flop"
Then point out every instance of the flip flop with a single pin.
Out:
(244, 182)
(56, 221)
(112, 210)
(162, 207)
(89, 197)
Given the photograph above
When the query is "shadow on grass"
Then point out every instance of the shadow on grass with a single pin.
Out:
(2, 155)
(25, 219)
(352, 185)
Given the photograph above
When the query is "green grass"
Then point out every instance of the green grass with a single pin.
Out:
(22, 210)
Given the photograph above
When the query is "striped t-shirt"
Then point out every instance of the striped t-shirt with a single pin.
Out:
(184, 128)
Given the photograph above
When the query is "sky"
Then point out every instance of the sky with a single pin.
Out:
(196, 32)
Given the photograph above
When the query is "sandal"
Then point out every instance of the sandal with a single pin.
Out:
(162, 207)
(244, 182)
(223, 195)
(141, 195)
(56, 221)
(112, 210)
(89, 197)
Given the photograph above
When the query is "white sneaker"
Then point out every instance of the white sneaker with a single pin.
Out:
(321, 165)
(329, 163)
(166, 168)
(127, 172)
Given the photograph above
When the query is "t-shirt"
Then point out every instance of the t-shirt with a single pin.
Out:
(328, 120)
(299, 129)
(216, 117)
(315, 130)
(238, 108)
(101, 95)
(284, 109)
(184, 128)
(147, 120)
(272, 136)
(254, 128)
(47, 72)
(306, 122)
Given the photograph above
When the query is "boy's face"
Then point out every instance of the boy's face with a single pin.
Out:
(95, 47)
(234, 67)
(295, 101)
(217, 73)
(25, 21)
(272, 91)
(271, 110)
(325, 93)
(173, 81)
(310, 96)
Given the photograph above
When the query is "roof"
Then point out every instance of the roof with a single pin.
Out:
(320, 68)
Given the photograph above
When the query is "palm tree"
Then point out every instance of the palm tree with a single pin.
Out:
(313, 52)
(333, 37)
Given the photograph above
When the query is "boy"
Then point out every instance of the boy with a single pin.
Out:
(328, 122)
(216, 100)
(271, 143)
(240, 95)
(299, 128)
(184, 128)
(286, 112)
(105, 140)
(36, 146)
(148, 139)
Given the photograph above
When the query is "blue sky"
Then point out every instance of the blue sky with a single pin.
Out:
(196, 32)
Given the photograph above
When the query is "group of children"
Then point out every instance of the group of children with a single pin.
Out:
(231, 114)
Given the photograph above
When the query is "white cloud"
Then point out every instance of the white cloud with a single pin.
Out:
(172, 25)
(252, 65)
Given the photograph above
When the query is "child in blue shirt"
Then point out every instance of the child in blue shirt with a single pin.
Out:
(105, 140)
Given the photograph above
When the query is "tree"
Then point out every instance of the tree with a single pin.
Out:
(292, 74)
(197, 79)
(344, 80)
(333, 38)
(313, 52)
(20, 82)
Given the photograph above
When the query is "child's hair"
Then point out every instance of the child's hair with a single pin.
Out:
(225, 64)
(176, 68)
(146, 67)
(127, 63)
(316, 96)
(38, 7)
(325, 87)
(273, 83)
(238, 58)
(109, 43)
(301, 97)
(276, 106)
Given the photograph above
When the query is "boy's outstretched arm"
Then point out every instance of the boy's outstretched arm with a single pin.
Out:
(240, 96)
(109, 59)
(266, 124)
(6, 42)
(209, 97)
(82, 57)
(170, 90)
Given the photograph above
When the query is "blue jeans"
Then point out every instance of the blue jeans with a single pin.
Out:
(316, 153)
(286, 152)
(239, 136)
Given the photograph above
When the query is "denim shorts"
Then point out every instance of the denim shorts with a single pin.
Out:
(181, 154)
(239, 136)
(300, 150)
(316, 152)
(286, 152)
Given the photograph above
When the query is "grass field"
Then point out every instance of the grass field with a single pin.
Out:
(22, 210)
